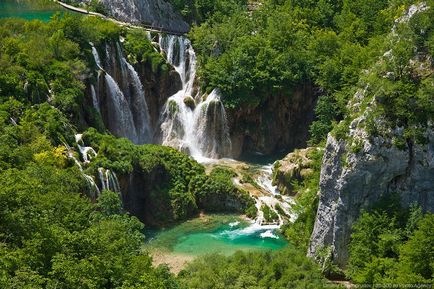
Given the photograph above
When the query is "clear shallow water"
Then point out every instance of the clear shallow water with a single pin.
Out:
(28, 10)
(223, 234)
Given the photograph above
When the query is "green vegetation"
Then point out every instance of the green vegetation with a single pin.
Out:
(392, 245)
(283, 44)
(52, 62)
(280, 269)
(198, 11)
(140, 51)
(397, 91)
(51, 234)
(306, 204)
(270, 215)
(177, 186)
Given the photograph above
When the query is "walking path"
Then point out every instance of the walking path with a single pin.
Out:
(143, 26)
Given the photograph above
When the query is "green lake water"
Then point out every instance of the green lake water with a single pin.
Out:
(28, 10)
(223, 234)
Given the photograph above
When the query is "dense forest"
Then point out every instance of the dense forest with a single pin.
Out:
(57, 232)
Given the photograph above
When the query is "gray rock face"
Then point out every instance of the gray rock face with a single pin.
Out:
(156, 13)
(351, 182)
(280, 123)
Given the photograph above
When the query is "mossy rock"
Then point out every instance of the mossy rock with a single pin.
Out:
(173, 107)
(189, 102)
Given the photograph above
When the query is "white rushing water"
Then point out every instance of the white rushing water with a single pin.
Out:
(189, 122)
(96, 56)
(121, 120)
(95, 100)
(127, 109)
(193, 123)
(274, 199)
(86, 153)
(140, 107)
(108, 180)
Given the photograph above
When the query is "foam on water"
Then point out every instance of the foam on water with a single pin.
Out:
(269, 234)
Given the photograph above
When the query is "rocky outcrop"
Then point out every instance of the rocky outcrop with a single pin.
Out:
(377, 153)
(351, 181)
(143, 198)
(280, 123)
(158, 87)
(157, 14)
(295, 167)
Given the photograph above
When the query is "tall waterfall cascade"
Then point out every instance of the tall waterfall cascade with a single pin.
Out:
(127, 109)
(190, 122)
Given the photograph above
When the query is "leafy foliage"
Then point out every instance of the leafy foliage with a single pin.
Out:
(198, 11)
(388, 246)
(280, 269)
(177, 185)
(51, 234)
(306, 204)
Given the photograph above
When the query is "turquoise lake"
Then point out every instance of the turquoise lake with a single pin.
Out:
(223, 234)
(28, 10)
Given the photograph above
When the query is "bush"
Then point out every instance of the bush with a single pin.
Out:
(286, 268)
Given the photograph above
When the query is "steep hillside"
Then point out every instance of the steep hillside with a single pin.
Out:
(385, 144)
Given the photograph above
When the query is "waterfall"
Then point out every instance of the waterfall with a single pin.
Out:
(96, 56)
(95, 101)
(87, 153)
(273, 198)
(121, 121)
(109, 180)
(191, 123)
(140, 107)
(93, 189)
(127, 112)
(211, 129)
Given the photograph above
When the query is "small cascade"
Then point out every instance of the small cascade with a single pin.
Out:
(273, 199)
(95, 100)
(93, 188)
(193, 124)
(96, 56)
(264, 179)
(109, 180)
(87, 153)
(265, 194)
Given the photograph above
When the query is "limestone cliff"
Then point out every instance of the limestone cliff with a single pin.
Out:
(351, 182)
(156, 13)
(385, 146)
